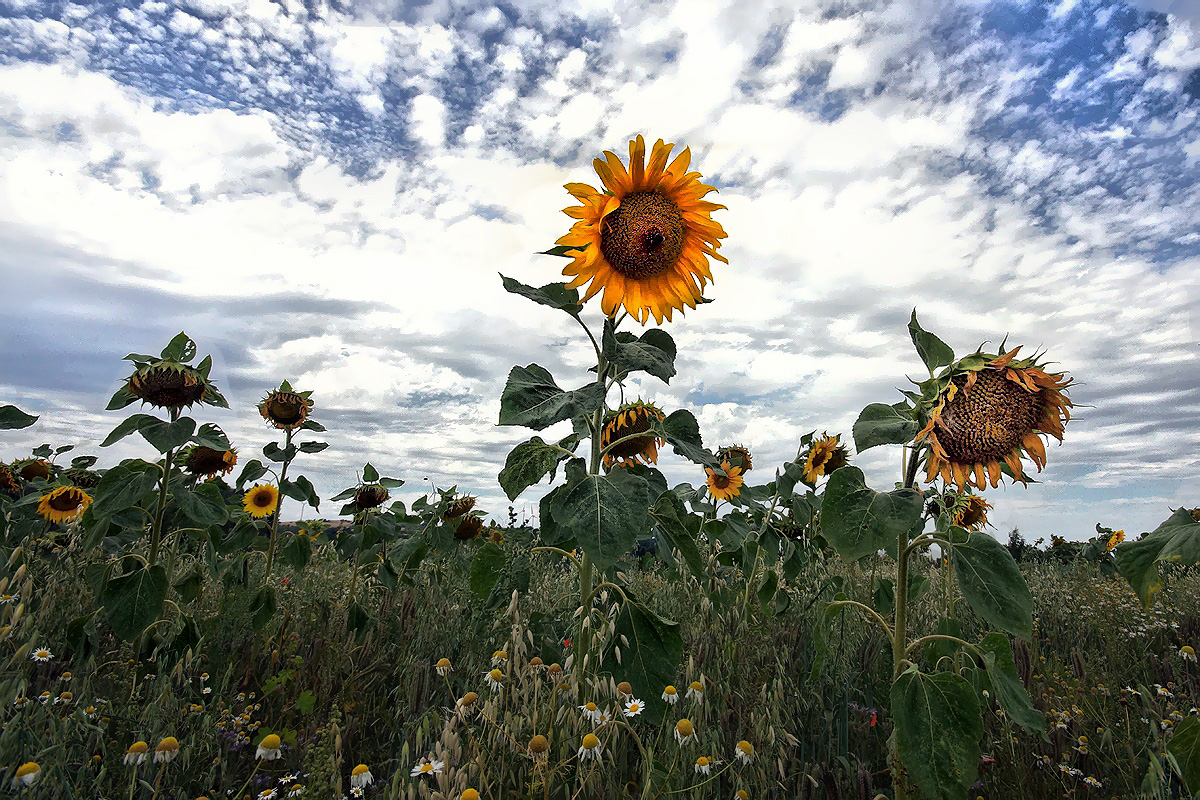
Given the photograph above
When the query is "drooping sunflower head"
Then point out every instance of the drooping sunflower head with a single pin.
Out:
(167, 384)
(738, 455)
(208, 462)
(8, 481)
(284, 408)
(1115, 539)
(261, 500)
(725, 482)
(632, 419)
(370, 496)
(81, 477)
(825, 454)
(34, 469)
(458, 507)
(64, 504)
(469, 528)
(970, 511)
(993, 411)
(645, 240)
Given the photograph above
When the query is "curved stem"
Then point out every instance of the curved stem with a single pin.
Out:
(558, 550)
(287, 459)
(870, 612)
(933, 637)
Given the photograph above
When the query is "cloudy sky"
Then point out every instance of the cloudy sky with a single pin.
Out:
(325, 192)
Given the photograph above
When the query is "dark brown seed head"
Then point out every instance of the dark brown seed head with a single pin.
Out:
(165, 387)
(285, 410)
(644, 237)
(988, 421)
(370, 496)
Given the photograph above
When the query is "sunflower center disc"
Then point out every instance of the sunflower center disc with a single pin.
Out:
(262, 499)
(720, 481)
(67, 501)
(644, 237)
(989, 422)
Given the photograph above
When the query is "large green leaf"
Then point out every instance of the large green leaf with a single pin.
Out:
(1185, 747)
(879, 424)
(669, 514)
(938, 728)
(123, 486)
(1176, 540)
(532, 398)
(1010, 692)
(203, 505)
(210, 435)
(485, 569)
(933, 351)
(554, 295)
(607, 514)
(244, 534)
(166, 436)
(13, 418)
(527, 464)
(683, 432)
(181, 348)
(993, 584)
(650, 649)
(653, 353)
(134, 600)
(129, 425)
(858, 521)
(262, 607)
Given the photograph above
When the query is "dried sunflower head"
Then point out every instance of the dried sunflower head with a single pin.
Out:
(169, 381)
(208, 462)
(285, 408)
(737, 455)
(632, 419)
(370, 496)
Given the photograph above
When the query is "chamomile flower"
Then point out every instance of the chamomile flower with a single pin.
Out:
(291, 777)
(634, 707)
(424, 767)
(136, 754)
(268, 748)
(499, 657)
(589, 748)
(685, 732)
(267, 794)
(296, 790)
(539, 748)
(1187, 653)
(443, 667)
(624, 690)
(695, 692)
(703, 765)
(495, 679)
(41, 654)
(1092, 782)
(26, 774)
(166, 750)
(469, 794)
(670, 695)
(744, 751)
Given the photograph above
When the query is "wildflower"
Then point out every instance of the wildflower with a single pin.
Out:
(825, 455)
(634, 707)
(44, 698)
(624, 689)
(499, 657)
(285, 409)
(166, 751)
(702, 766)
(744, 751)
(261, 501)
(66, 677)
(695, 692)
(685, 732)
(357, 791)
(1092, 782)
(469, 794)
(725, 482)
(90, 712)
(203, 677)
(539, 748)
(21, 702)
(537, 663)
(41, 654)
(136, 754)
(26, 774)
(495, 679)
(64, 698)
(670, 695)
(635, 420)
(590, 748)
(291, 777)
(267, 794)
(443, 667)
(1187, 653)
(268, 748)
(742, 794)
(7, 599)
(361, 775)
(296, 790)
(206, 690)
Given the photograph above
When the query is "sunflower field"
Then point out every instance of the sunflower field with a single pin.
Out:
(165, 633)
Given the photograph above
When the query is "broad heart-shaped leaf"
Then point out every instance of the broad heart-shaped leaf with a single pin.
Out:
(551, 533)
(165, 436)
(262, 607)
(653, 353)
(532, 398)
(858, 521)
(879, 424)
(1185, 747)
(669, 513)
(133, 601)
(310, 491)
(527, 463)
(683, 432)
(313, 447)
(273, 451)
(370, 474)
(485, 569)
(1176, 540)
(993, 584)
(210, 435)
(296, 552)
(13, 418)
(1010, 692)
(253, 470)
(650, 658)
(203, 505)
(244, 534)
(181, 348)
(938, 728)
(130, 424)
(933, 351)
(555, 295)
(121, 398)
(123, 486)
(607, 514)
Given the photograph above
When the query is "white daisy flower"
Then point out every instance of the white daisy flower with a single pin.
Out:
(495, 679)
(670, 695)
(744, 751)
(42, 654)
(590, 747)
(634, 707)
(685, 732)
(695, 692)
(591, 712)
(427, 767)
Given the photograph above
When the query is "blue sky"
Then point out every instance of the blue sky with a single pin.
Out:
(325, 193)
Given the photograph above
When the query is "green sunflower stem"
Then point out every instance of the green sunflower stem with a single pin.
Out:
(583, 639)
(900, 626)
(156, 531)
(287, 459)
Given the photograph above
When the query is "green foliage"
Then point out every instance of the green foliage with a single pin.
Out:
(531, 398)
(879, 424)
(1184, 747)
(933, 351)
(992, 583)
(13, 418)
(1176, 540)
(606, 514)
(938, 729)
(134, 600)
(858, 520)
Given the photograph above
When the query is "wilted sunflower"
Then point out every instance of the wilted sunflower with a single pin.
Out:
(970, 511)
(989, 416)
(82, 477)
(8, 481)
(628, 420)
(469, 528)
(726, 482)
(208, 462)
(285, 409)
(646, 240)
(738, 455)
(34, 469)
(261, 501)
(825, 455)
(459, 507)
(370, 496)
(167, 385)
(64, 504)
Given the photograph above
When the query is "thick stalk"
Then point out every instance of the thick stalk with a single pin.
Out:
(287, 459)
(900, 626)
(156, 532)
(584, 638)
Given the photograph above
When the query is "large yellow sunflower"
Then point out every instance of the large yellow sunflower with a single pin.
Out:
(64, 504)
(989, 416)
(261, 501)
(824, 456)
(646, 240)
(970, 511)
(629, 420)
(725, 483)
